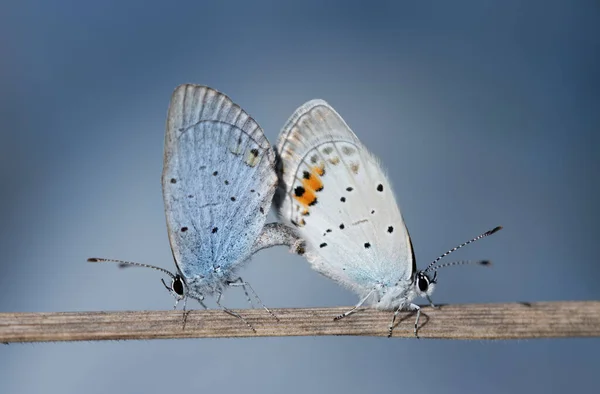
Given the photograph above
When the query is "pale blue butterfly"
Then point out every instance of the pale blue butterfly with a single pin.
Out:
(336, 196)
(218, 182)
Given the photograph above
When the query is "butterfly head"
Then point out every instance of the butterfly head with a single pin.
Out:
(177, 288)
(425, 283)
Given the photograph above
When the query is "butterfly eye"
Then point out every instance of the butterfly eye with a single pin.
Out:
(177, 286)
(423, 283)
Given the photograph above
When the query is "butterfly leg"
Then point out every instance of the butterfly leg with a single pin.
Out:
(391, 328)
(415, 307)
(411, 307)
(431, 303)
(351, 311)
(232, 313)
(240, 282)
(186, 312)
(201, 302)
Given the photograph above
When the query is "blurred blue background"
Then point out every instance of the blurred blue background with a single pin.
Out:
(483, 112)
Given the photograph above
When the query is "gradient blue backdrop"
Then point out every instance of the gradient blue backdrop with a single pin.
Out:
(484, 113)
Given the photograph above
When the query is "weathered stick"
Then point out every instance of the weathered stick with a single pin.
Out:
(474, 321)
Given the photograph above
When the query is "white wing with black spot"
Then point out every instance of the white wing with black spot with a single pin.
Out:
(333, 191)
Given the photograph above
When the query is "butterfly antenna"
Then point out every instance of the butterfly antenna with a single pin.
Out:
(487, 233)
(125, 264)
(480, 262)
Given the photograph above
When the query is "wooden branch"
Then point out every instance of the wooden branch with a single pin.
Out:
(475, 321)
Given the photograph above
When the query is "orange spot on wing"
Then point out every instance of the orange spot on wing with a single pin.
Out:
(307, 198)
(313, 182)
(319, 170)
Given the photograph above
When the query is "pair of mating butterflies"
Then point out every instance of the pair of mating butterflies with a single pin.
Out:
(220, 176)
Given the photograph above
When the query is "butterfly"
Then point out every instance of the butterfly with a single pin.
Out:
(337, 197)
(218, 183)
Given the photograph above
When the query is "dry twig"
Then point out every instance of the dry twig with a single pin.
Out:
(474, 321)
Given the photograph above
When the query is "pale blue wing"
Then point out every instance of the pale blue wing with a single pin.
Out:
(218, 181)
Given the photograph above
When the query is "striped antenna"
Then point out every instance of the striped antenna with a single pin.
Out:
(480, 262)
(487, 233)
(125, 264)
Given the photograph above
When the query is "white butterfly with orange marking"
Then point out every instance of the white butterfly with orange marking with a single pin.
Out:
(335, 194)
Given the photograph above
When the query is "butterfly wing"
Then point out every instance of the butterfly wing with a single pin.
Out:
(333, 191)
(218, 181)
